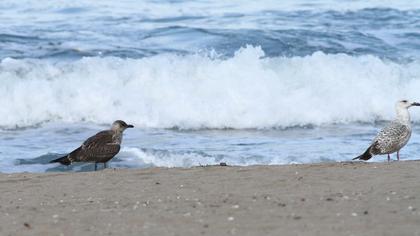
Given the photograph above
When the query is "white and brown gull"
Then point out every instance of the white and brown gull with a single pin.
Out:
(394, 136)
(99, 148)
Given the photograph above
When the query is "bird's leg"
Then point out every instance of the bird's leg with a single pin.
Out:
(105, 165)
(96, 166)
(398, 155)
(389, 158)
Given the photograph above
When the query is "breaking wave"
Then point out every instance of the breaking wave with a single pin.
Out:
(247, 90)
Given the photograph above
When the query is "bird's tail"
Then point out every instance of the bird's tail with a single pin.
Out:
(67, 159)
(365, 156)
(62, 160)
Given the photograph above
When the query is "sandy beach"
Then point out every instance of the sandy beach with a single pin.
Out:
(316, 199)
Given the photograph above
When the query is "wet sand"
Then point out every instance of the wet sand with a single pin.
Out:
(318, 199)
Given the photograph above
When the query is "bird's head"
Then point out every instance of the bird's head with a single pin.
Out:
(405, 104)
(120, 125)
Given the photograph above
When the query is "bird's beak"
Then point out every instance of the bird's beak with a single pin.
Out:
(415, 104)
(130, 126)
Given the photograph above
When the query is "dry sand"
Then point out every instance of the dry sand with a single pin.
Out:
(319, 199)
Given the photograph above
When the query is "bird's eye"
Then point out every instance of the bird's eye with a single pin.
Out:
(405, 101)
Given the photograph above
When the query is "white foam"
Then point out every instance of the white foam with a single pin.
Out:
(138, 157)
(135, 157)
(196, 91)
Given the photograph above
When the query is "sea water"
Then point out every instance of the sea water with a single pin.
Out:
(205, 82)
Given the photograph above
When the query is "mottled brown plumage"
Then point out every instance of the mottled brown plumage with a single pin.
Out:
(99, 148)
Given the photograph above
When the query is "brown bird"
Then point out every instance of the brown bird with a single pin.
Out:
(99, 148)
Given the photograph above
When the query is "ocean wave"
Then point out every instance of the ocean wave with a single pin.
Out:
(247, 90)
(76, 29)
(164, 158)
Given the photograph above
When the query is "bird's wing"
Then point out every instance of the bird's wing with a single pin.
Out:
(100, 147)
(390, 135)
(102, 137)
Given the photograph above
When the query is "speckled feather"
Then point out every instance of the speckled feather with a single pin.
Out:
(100, 148)
(391, 138)
(394, 136)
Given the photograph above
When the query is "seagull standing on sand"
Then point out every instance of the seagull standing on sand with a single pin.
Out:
(99, 148)
(394, 136)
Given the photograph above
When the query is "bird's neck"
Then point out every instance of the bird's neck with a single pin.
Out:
(117, 136)
(403, 116)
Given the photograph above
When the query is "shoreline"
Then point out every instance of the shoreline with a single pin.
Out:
(349, 198)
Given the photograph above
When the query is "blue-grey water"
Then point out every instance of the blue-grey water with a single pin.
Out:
(204, 82)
